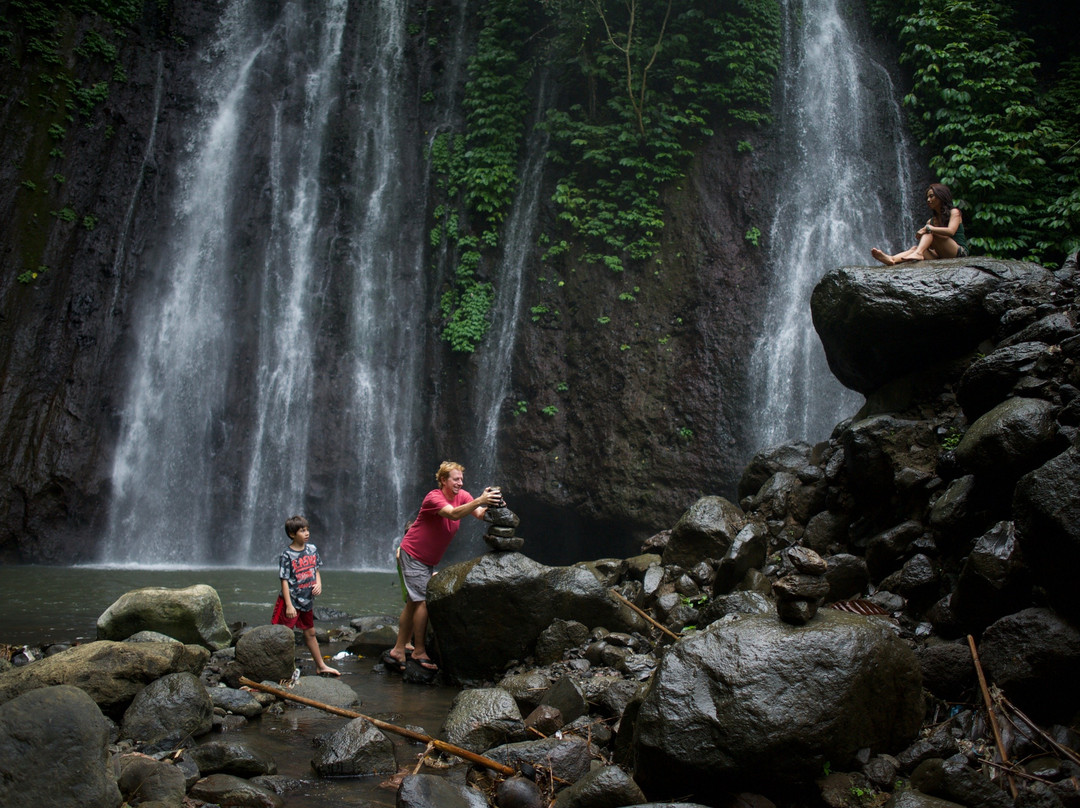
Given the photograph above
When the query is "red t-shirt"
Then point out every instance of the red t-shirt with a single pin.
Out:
(428, 537)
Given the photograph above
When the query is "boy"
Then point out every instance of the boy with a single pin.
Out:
(300, 583)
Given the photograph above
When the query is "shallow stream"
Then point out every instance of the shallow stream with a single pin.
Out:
(62, 604)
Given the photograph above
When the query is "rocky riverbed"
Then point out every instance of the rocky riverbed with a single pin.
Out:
(882, 619)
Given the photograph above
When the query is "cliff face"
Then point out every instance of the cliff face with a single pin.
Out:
(631, 405)
(63, 332)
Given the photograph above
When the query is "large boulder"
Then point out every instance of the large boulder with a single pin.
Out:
(427, 790)
(1046, 513)
(878, 324)
(482, 718)
(192, 615)
(492, 609)
(267, 653)
(54, 751)
(174, 709)
(359, 748)
(706, 530)
(1016, 436)
(111, 673)
(751, 701)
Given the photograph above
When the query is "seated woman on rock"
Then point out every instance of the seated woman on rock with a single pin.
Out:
(941, 237)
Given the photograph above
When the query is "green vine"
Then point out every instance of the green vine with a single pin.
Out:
(476, 171)
(652, 78)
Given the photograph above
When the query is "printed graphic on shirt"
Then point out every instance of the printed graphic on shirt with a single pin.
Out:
(298, 568)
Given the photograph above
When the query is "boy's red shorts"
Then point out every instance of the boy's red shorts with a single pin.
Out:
(302, 621)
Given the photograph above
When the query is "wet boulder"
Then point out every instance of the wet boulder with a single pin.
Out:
(706, 530)
(989, 380)
(482, 718)
(492, 609)
(192, 615)
(144, 779)
(747, 551)
(267, 653)
(173, 709)
(356, 749)
(604, 787)
(231, 757)
(558, 638)
(877, 325)
(1014, 437)
(878, 448)
(1033, 657)
(431, 791)
(953, 779)
(111, 673)
(225, 789)
(54, 751)
(567, 757)
(566, 697)
(1046, 513)
(326, 689)
(848, 576)
(947, 669)
(721, 710)
(237, 702)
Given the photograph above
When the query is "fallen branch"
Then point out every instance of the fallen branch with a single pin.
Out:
(1061, 749)
(647, 616)
(442, 746)
(991, 716)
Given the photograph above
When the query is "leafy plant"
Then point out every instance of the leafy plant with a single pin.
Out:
(753, 235)
(550, 410)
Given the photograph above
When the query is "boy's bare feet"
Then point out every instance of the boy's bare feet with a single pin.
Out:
(326, 670)
(882, 257)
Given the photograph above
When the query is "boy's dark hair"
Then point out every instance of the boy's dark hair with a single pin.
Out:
(293, 525)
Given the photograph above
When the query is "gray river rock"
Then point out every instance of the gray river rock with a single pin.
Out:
(190, 615)
(753, 700)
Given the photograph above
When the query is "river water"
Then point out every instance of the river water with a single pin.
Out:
(62, 604)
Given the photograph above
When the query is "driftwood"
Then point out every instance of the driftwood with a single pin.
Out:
(991, 716)
(442, 746)
(647, 616)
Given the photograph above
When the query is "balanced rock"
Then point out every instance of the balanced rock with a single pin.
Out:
(192, 615)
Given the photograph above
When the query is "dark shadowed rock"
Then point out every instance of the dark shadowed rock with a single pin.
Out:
(111, 673)
(706, 530)
(1046, 512)
(224, 789)
(790, 457)
(54, 751)
(878, 448)
(1033, 657)
(566, 697)
(877, 325)
(747, 551)
(145, 780)
(993, 581)
(568, 757)
(492, 609)
(1014, 437)
(605, 787)
(356, 749)
(847, 575)
(482, 718)
(952, 779)
(192, 615)
(720, 711)
(988, 380)
(175, 708)
(916, 799)
(429, 791)
(231, 757)
(558, 638)
(947, 669)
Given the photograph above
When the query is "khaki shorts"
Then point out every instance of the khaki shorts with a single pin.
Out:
(414, 576)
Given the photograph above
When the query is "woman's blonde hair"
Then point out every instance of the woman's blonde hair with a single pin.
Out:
(445, 469)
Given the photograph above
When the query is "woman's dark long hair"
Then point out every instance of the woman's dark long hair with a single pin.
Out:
(942, 192)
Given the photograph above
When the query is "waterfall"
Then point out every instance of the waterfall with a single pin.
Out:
(281, 328)
(843, 187)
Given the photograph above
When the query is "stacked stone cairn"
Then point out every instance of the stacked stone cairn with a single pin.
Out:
(500, 536)
(800, 592)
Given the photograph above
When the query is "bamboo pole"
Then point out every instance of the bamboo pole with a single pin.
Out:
(990, 714)
(647, 616)
(442, 746)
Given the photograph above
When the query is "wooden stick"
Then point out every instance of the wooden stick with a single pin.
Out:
(1059, 748)
(990, 714)
(423, 757)
(648, 617)
(442, 746)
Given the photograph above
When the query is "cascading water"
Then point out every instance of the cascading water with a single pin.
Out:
(280, 344)
(843, 187)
